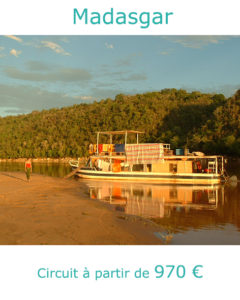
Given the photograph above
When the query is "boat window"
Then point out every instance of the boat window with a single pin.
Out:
(138, 193)
(173, 168)
(149, 193)
(138, 167)
(173, 194)
(149, 168)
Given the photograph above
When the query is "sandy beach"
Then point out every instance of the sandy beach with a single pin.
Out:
(55, 211)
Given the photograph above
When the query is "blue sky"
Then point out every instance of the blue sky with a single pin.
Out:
(41, 72)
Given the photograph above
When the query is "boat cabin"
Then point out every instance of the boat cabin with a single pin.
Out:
(149, 157)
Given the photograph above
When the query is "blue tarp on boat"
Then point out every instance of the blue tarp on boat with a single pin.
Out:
(119, 148)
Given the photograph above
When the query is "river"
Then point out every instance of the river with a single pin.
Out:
(205, 215)
(49, 169)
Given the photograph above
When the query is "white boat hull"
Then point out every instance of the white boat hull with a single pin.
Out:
(188, 178)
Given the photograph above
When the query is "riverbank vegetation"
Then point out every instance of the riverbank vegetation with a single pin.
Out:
(199, 121)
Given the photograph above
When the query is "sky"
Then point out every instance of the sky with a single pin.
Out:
(43, 72)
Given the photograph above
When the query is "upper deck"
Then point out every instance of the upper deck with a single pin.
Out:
(155, 157)
(119, 151)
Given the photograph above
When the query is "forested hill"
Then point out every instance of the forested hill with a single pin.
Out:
(205, 122)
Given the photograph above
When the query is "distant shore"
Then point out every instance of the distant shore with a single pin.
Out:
(64, 160)
(56, 211)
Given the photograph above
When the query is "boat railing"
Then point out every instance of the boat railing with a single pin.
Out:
(113, 149)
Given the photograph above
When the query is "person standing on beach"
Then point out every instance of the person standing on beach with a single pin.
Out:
(28, 168)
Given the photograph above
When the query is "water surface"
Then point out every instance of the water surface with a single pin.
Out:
(202, 215)
(48, 169)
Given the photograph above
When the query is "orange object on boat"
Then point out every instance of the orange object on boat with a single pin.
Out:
(116, 167)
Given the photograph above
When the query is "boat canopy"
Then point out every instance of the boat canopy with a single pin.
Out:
(120, 132)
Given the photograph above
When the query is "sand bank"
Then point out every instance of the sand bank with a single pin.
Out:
(54, 211)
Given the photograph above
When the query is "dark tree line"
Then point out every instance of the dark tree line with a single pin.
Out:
(205, 122)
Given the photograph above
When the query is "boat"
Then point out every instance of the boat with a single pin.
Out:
(148, 162)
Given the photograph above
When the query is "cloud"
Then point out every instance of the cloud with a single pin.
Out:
(85, 98)
(54, 47)
(109, 46)
(33, 65)
(5, 111)
(2, 54)
(62, 75)
(115, 73)
(104, 84)
(124, 76)
(43, 44)
(120, 75)
(15, 38)
(128, 60)
(15, 52)
(24, 99)
(135, 77)
(227, 89)
(196, 42)
(64, 39)
(164, 53)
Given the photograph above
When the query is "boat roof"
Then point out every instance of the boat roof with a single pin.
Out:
(119, 132)
(191, 156)
(170, 157)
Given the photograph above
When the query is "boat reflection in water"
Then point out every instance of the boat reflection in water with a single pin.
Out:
(156, 201)
(202, 215)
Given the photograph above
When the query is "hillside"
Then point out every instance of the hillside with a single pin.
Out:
(199, 121)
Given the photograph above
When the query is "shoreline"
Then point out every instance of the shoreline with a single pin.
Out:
(41, 160)
(56, 211)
